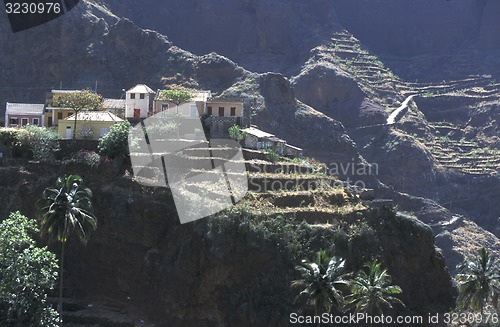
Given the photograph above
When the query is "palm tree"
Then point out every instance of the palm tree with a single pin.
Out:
(479, 281)
(371, 290)
(63, 210)
(321, 280)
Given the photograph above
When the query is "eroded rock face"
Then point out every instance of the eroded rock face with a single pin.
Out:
(291, 119)
(217, 71)
(409, 28)
(327, 88)
(334, 92)
(261, 35)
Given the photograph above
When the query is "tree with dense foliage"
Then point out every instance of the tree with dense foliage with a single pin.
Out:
(79, 101)
(176, 96)
(479, 282)
(115, 142)
(65, 209)
(27, 272)
(322, 280)
(371, 290)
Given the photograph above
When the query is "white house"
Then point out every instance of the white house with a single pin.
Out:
(259, 140)
(21, 114)
(139, 102)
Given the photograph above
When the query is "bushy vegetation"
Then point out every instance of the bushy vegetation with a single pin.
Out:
(115, 143)
(28, 272)
(88, 158)
(35, 142)
(8, 135)
(271, 155)
(236, 133)
(280, 232)
(176, 96)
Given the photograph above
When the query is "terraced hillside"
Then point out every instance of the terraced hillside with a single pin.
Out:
(377, 81)
(462, 155)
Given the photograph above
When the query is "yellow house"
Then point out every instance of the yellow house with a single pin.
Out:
(89, 125)
(54, 113)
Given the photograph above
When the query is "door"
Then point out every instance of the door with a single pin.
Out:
(69, 134)
(137, 113)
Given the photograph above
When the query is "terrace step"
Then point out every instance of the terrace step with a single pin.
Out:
(306, 198)
(264, 183)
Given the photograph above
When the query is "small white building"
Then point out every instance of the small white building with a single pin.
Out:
(260, 140)
(22, 114)
(139, 102)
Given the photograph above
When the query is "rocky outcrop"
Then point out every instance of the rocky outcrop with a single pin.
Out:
(334, 92)
(292, 120)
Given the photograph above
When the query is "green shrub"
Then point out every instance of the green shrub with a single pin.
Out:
(236, 133)
(36, 142)
(8, 135)
(27, 272)
(115, 143)
(271, 155)
(86, 157)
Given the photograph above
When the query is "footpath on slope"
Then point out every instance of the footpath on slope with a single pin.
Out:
(392, 117)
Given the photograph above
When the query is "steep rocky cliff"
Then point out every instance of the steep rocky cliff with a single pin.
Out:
(217, 271)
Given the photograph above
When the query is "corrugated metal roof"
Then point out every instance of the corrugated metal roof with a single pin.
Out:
(141, 88)
(24, 109)
(95, 116)
(113, 103)
(257, 132)
(293, 147)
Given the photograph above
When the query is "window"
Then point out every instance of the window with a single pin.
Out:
(103, 131)
(69, 114)
(164, 106)
(36, 122)
(24, 121)
(14, 121)
(221, 111)
(59, 115)
(132, 95)
(142, 95)
(209, 111)
(233, 111)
